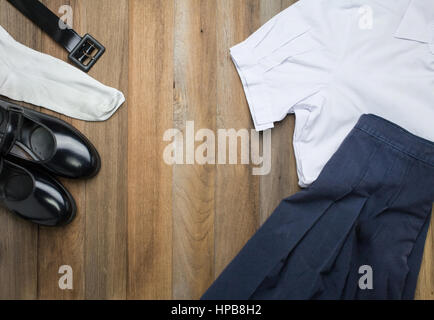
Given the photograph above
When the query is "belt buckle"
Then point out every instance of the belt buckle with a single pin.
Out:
(86, 53)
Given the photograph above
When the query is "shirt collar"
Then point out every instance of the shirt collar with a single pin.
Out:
(418, 22)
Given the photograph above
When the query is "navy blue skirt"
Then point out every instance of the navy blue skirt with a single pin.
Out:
(357, 233)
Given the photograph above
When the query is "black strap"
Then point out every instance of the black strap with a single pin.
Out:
(12, 129)
(83, 52)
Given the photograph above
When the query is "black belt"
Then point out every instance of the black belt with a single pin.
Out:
(84, 52)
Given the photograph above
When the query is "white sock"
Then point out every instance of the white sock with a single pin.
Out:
(42, 80)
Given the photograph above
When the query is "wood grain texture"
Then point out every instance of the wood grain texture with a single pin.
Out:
(18, 239)
(425, 288)
(149, 178)
(282, 181)
(62, 246)
(146, 229)
(107, 195)
(237, 190)
(195, 93)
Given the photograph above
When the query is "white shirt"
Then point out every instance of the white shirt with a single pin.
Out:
(330, 61)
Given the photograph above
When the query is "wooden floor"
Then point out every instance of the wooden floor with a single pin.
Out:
(146, 230)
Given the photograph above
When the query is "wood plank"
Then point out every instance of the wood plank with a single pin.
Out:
(425, 288)
(149, 178)
(282, 181)
(18, 238)
(194, 185)
(63, 246)
(237, 189)
(107, 194)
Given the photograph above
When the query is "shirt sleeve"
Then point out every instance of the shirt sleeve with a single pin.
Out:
(283, 63)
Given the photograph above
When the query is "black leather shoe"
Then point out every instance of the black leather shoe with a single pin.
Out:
(35, 196)
(31, 136)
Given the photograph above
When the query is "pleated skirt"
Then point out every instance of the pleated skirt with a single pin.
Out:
(357, 233)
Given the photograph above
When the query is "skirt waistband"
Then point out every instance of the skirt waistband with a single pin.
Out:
(397, 137)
